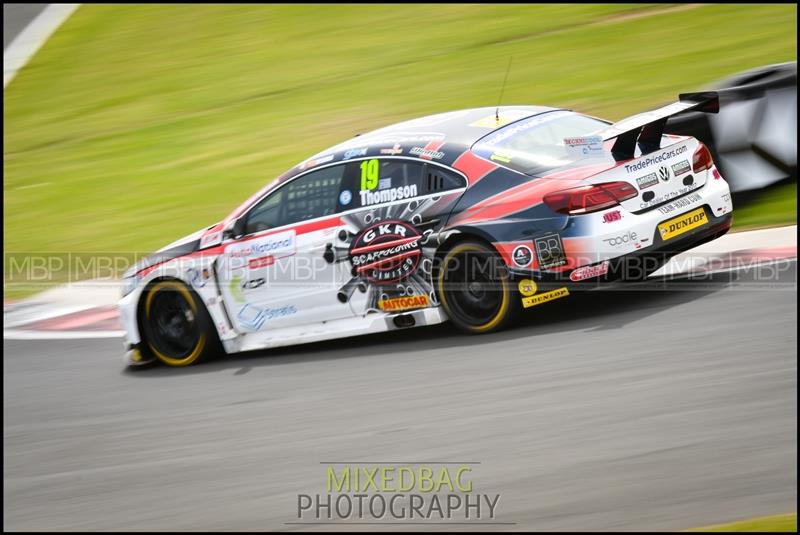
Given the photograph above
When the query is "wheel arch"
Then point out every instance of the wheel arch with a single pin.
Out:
(143, 297)
(459, 235)
(462, 234)
(212, 331)
(508, 309)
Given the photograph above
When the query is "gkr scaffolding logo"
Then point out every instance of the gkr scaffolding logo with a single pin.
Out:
(393, 493)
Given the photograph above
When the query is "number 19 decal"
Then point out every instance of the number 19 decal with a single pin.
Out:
(370, 169)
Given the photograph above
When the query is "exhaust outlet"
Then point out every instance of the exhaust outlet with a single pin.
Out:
(404, 320)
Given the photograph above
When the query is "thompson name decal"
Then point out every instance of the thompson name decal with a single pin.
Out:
(369, 198)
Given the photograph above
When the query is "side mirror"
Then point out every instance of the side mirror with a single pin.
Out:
(234, 229)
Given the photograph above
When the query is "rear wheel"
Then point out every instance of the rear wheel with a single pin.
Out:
(475, 288)
(176, 326)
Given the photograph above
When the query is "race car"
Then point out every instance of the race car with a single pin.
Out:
(469, 216)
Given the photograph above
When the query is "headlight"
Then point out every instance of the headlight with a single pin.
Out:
(129, 284)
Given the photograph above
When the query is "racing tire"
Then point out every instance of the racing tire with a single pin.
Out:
(475, 288)
(177, 329)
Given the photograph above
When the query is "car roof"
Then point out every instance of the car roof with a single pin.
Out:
(442, 138)
(456, 130)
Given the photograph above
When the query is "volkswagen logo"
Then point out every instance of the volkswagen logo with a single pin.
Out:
(663, 173)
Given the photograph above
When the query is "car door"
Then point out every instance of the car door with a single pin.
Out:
(398, 205)
(278, 273)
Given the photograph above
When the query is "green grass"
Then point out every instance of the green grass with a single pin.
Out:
(137, 124)
(776, 205)
(780, 523)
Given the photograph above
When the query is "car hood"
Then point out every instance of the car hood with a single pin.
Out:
(183, 246)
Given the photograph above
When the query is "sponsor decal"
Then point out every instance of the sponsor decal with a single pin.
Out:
(386, 252)
(610, 217)
(394, 151)
(403, 303)
(681, 167)
(345, 197)
(275, 245)
(522, 256)
(663, 173)
(353, 153)
(647, 181)
(662, 157)
(682, 224)
(385, 183)
(197, 278)
(664, 198)
(254, 318)
(393, 138)
(258, 263)
(252, 284)
(527, 287)
(369, 198)
(534, 300)
(315, 161)
(380, 253)
(584, 146)
(215, 238)
(235, 287)
(506, 116)
(500, 136)
(426, 154)
(678, 204)
(550, 251)
(501, 156)
(617, 241)
(588, 272)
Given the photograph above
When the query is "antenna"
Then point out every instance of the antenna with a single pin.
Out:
(502, 90)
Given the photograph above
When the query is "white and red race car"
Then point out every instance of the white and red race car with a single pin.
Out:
(469, 216)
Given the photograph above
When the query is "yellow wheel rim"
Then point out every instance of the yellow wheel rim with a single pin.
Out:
(201, 340)
(501, 312)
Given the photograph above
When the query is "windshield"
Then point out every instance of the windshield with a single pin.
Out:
(536, 145)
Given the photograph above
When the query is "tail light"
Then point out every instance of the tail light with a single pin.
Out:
(702, 159)
(586, 199)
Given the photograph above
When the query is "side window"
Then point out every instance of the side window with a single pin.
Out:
(384, 180)
(438, 179)
(310, 196)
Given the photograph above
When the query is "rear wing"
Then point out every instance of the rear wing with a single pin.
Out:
(646, 128)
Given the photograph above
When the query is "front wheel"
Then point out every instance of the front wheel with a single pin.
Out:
(475, 288)
(176, 326)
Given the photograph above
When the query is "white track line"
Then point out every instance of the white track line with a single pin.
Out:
(42, 313)
(31, 39)
(15, 334)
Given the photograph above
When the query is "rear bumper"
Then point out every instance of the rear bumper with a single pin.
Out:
(635, 265)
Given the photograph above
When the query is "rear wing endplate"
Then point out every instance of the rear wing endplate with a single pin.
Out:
(646, 128)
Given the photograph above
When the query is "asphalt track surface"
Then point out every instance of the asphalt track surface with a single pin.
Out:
(627, 410)
(662, 409)
(16, 17)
